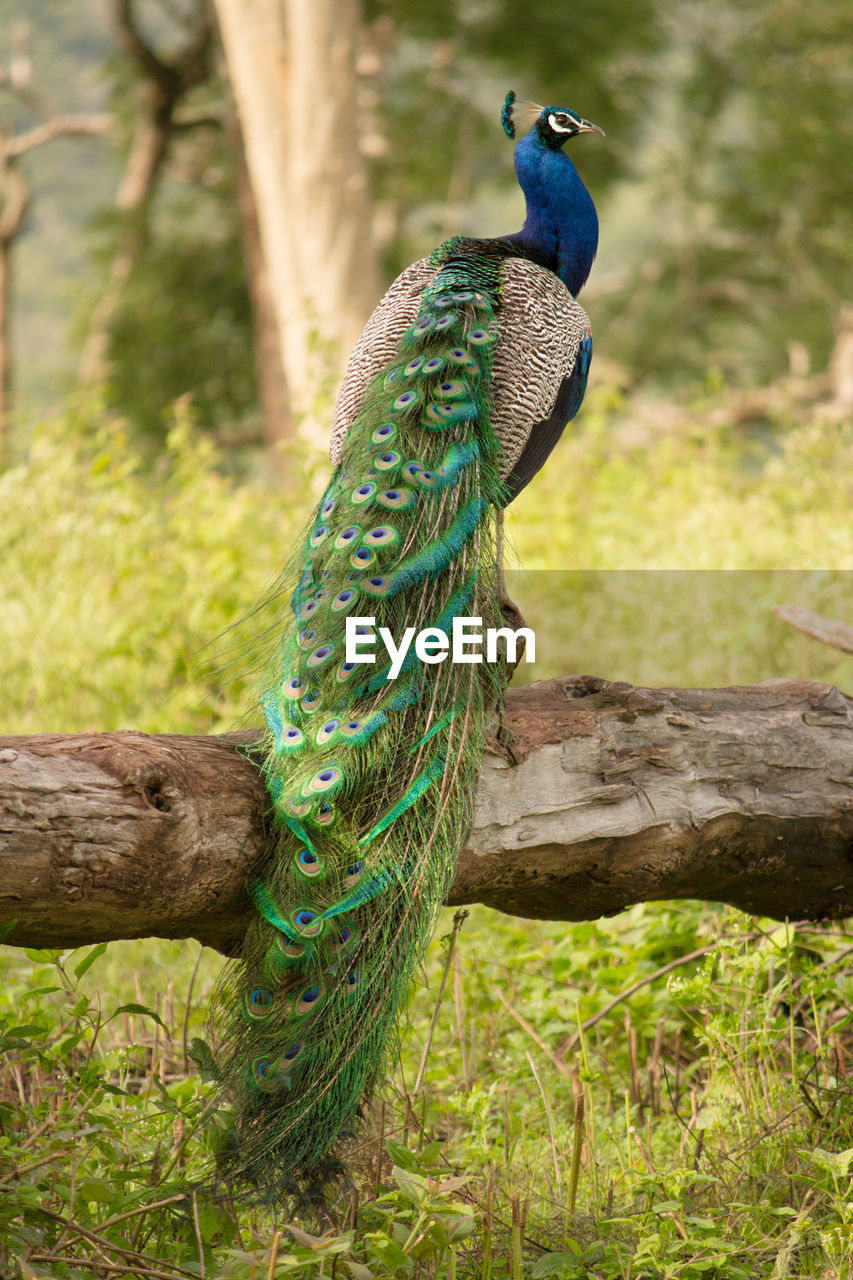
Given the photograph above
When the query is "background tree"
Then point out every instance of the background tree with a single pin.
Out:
(30, 122)
(293, 74)
(163, 82)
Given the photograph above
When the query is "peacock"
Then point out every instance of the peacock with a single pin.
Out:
(454, 396)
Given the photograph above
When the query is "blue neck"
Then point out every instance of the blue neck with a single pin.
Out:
(561, 228)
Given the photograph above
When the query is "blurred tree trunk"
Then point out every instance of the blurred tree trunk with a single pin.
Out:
(14, 203)
(292, 71)
(165, 82)
(269, 370)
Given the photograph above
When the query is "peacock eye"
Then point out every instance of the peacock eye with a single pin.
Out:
(561, 119)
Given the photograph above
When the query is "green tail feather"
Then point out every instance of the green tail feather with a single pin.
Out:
(372, 779)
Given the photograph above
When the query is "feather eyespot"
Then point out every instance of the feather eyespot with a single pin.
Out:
(309, 607)
(327, 508)
(414, 365)
(344, 600)
(387, 460)
(353, 978)
(306, 636)
(329, 779)
(344, 671)
(435, 365)
(292, 1053)
(376, 586)
(298, 806)
(307, 922)
(326, 778)
(261, 998)
(394, 376)
(344, 936)
(327, 732)
(382, 536)
(453, 389)
(307, 999)
(463, 358)
(480, 337)
(321, 656)
(395, 499)
(353, 872)
(412, 469)
(325, 815)
(406, 400)
(362, 558)
(384, 433)
(456, 411)
(347, 536)
(311, 701)
(362, 493)
(295, 687)
(446, 322)
(292, 738)
(308, 863)
(354, 576)
(288, 948)
(319, 534)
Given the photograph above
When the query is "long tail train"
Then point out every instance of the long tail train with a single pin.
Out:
(372, 778)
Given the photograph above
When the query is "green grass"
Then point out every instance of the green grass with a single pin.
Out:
(713, 1139)
(698, 1127)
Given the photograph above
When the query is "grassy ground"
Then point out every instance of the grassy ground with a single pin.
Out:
(662, 1094)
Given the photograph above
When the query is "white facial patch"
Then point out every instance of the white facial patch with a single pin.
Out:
(560, 128)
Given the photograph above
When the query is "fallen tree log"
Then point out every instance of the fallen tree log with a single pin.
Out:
(593, 796)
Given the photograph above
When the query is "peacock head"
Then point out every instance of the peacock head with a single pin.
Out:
(554, 125)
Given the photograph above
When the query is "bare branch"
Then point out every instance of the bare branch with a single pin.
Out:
(186, 68)
(96, 124)
(200, 118)
(836, 634)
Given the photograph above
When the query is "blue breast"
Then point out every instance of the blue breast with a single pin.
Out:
(561, 227)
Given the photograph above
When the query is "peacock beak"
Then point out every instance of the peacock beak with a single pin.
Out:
(586, 126)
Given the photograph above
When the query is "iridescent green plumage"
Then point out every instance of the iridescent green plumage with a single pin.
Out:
(372, 778)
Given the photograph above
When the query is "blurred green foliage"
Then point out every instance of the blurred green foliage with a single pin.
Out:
(116, 578)
(186, 308)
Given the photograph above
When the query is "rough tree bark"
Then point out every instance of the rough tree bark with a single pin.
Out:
(593, 796)
(292, 71)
